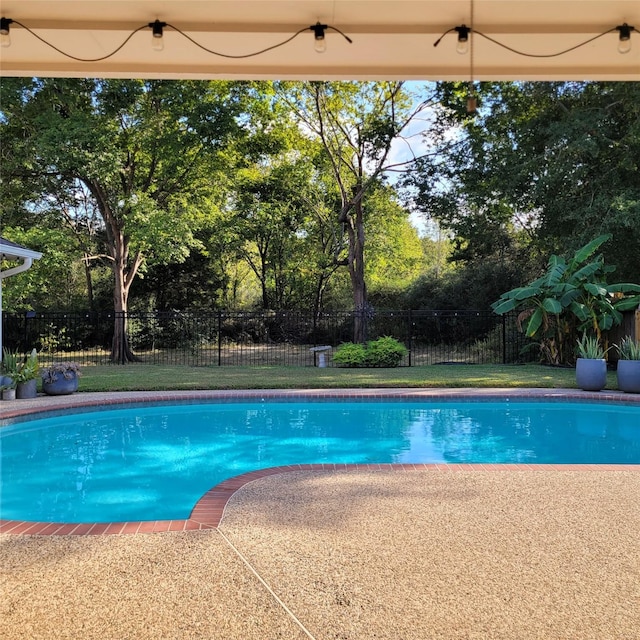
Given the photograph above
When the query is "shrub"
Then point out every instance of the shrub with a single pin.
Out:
(349, 354)
(383, 352)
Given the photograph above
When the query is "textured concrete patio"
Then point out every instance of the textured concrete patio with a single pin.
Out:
(540, 552)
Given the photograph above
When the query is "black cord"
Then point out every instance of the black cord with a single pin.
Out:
(211, 51)
(68, 55)
(544, 55)
(532, 55)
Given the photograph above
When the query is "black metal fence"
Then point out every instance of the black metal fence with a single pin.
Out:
(264, 337)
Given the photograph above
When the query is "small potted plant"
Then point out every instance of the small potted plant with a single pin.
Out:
(61, 378)
(628, 371)
(26, 377)
(591, 366)
(8, 389)
(9, 371)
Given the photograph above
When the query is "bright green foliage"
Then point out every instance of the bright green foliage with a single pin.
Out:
(27, 369)
(356, 124)
(350, 354)
(571, 297)
(383, 352)
(145, 151)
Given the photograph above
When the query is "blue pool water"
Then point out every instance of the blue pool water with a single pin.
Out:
(155, 462)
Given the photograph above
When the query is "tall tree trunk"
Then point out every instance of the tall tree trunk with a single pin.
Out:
(124, 272)
(355, 232)
(120, 349)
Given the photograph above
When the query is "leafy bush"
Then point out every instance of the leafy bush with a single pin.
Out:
(349, 354)
(383, 352)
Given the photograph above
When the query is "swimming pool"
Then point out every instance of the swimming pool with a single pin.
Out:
(154, 462)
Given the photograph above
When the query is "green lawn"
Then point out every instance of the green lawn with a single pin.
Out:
(140, 377)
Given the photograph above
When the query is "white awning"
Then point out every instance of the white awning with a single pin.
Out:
(392, 39)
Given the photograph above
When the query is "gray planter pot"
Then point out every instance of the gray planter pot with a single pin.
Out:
(629, 376)
(61, 386)
(8, 394)
(26, 390)
(591, 375)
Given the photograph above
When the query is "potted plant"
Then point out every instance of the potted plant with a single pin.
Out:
(26, 377)
(8, 389)
(628, 371)
(61, 378)
(9, 371)
(591, 366)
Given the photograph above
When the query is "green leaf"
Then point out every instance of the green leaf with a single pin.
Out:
(527, 292)
(586, 272)
(624, 287)
(555, 274)
(626, 304)
(571, 294)
(534, 323)
(503, 306)
(552, 306)
(590, 248)
(606, 321)
(579, 310)
(596, 289)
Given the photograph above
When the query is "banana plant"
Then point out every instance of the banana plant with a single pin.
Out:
(571, 298)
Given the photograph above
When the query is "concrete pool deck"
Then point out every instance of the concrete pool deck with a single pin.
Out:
(449, 552)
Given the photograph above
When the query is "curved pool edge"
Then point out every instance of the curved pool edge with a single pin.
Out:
(44, 405)
(209, 510)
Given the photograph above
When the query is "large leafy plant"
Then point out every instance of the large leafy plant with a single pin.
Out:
(571, 298)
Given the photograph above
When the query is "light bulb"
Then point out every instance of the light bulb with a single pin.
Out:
(5, 32)
(624, 40)
(462, 46)
(319, 42)
(157, 41)
(624, 46)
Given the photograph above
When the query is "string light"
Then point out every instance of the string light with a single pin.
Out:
(157, 41)
(5, 32)
(318, 36)
(319, 33)
(624, 38)
(157, 32)
(463, 39)
(624, 42)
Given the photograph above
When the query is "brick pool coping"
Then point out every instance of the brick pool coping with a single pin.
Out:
(209, 510)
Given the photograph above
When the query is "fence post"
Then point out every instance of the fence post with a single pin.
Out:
(504, 338)
(219, 338)
(410, 329)
(124, 337)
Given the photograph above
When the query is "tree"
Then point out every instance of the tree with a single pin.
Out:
(357, 125)
(146, 152)
(541, 167)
